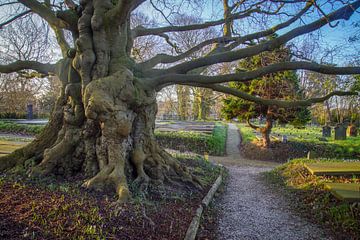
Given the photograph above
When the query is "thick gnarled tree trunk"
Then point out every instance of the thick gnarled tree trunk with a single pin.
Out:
(105, 117)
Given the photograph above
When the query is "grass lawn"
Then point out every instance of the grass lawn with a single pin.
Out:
(308, 139)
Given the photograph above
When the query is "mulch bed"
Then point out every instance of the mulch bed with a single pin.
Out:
(33, 210)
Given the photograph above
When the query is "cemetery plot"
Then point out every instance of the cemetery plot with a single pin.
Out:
(187, 126)
(334, 168)
(345, 191)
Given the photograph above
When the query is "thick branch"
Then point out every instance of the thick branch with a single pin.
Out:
(256, 128)
(229, 56)
(120, 12)
(273, 102)
(44, 12)
(61, 40)
(44, 68)
(250, 75)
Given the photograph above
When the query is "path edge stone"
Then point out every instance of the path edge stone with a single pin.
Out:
(195, 222)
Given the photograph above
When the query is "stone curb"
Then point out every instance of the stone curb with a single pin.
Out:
(194, 225)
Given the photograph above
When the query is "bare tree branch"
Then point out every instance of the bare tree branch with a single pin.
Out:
(164, 58)
(44, 68)
(229, 56)
(249, 75)
(14, 18)
(273, 102)
(44, 12)
(142, 31)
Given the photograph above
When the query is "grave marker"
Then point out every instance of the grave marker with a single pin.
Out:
(340, 132)
(326, 131)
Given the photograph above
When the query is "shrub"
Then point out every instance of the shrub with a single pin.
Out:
(20, 128)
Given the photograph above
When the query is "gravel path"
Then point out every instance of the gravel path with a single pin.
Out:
(249, 209)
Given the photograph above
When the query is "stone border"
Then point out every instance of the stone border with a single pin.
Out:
(194, 225)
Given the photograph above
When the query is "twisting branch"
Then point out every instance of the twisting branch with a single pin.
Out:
(44, 68)
(273, 102)
(164, 58)
(122, 10)
(60, 38)
(250, 75)
(229, 56)
(253, 126)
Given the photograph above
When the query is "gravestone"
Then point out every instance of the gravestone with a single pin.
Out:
(352, 131)
(30, 114)
(340, 132)
(326, 131)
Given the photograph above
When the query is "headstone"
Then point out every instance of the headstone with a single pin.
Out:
(352, 131)
(30, 114)
(340, 132)
(310, 155)
(326, 131)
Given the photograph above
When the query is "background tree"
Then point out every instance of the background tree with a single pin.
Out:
(103, 122)
(280, 85)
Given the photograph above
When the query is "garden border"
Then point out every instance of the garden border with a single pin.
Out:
(194, 225)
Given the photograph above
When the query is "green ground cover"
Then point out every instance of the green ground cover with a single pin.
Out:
(310, 139)
(309, 195)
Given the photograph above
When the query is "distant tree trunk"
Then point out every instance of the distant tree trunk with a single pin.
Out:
(328, 111)
(183, 93)
(265, 131)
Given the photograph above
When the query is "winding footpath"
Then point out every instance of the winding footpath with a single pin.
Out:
(249, 209)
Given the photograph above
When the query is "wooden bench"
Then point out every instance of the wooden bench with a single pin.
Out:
(349, 192)
(334, 168)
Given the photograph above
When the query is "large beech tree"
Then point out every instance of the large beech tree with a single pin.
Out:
(103, 122)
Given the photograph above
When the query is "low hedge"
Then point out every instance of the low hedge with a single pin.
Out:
(213, 144)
